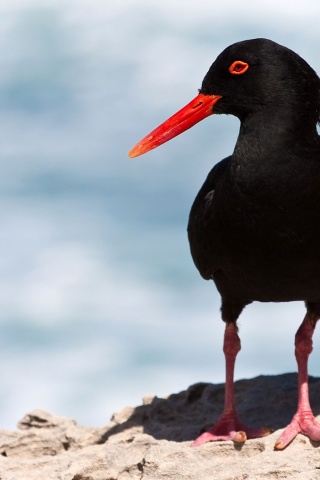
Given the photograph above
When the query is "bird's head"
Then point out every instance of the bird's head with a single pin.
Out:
(247, 78)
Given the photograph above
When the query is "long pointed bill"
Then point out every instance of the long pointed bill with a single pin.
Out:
(198, 109)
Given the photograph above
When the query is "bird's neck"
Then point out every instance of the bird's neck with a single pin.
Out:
(269, 150)
(268, 133)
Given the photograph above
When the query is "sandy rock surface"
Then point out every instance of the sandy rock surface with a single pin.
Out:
(152, 441)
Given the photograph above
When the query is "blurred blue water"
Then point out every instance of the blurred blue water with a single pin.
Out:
(99, 300)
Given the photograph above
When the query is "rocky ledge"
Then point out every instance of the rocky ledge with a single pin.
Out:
(152, 441)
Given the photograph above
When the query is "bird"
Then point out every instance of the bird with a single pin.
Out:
(254, 226)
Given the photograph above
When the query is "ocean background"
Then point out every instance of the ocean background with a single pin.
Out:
(100, 302)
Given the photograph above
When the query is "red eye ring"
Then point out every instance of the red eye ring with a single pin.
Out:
(238, 67)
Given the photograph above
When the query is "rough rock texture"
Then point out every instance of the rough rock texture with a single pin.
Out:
(152, 441)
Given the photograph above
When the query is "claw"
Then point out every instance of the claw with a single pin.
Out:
(304, 423)
(240, 437)
(229, 427)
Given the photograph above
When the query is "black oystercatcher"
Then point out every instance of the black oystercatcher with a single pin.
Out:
(254, 227)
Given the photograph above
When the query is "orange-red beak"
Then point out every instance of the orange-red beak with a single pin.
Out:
(198, 109)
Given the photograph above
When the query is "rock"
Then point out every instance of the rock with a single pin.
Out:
(152, 441)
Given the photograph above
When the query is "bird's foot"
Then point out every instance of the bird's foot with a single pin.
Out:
(229, 427)
(303, 422)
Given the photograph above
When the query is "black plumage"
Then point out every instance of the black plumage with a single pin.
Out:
(254, 227)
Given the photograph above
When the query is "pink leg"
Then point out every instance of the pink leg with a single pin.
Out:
(303, 421)
(228, 426)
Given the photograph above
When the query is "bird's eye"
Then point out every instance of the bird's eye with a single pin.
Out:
(238, 67)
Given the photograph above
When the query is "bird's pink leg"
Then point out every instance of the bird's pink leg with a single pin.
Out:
(228, 426)
(303, 421)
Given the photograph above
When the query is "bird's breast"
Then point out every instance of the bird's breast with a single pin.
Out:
(255, 236)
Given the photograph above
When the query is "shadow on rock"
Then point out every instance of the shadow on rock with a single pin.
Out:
(269, 401)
